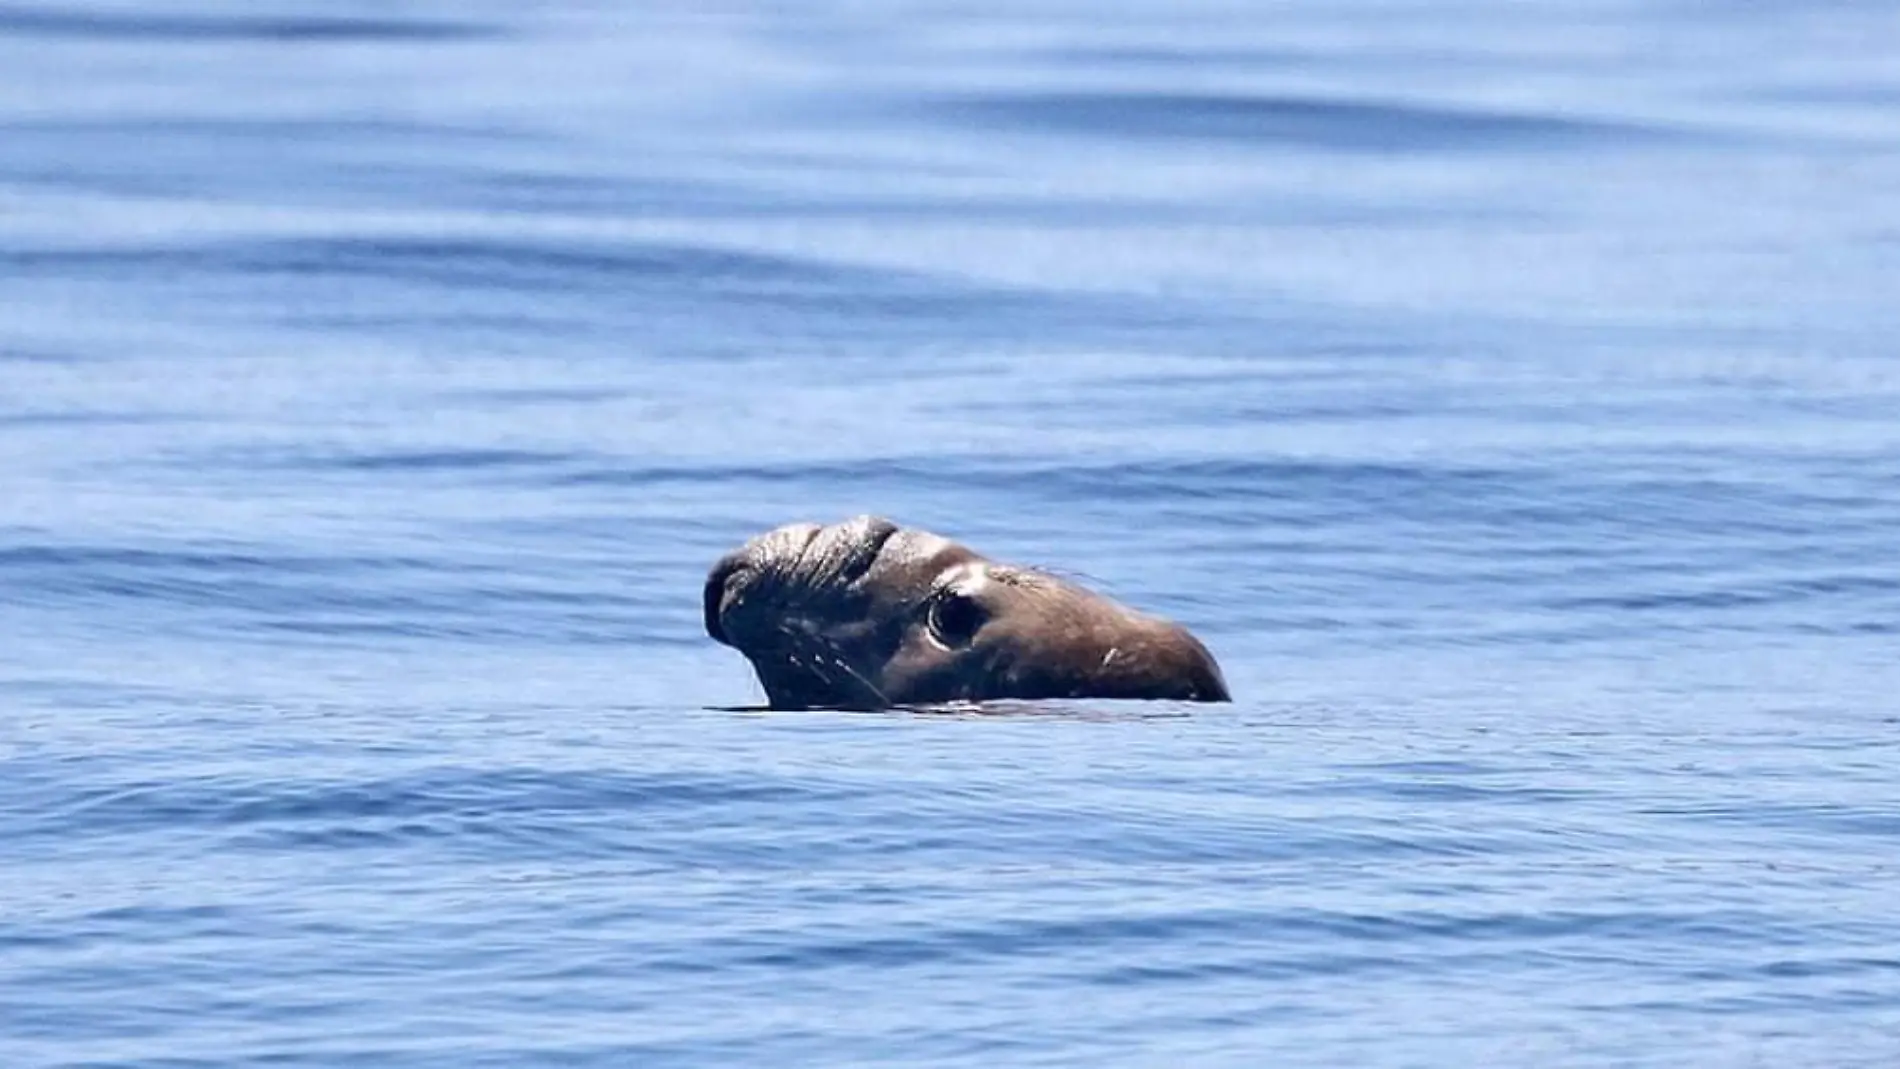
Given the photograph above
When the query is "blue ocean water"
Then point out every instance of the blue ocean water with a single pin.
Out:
(1505, 392)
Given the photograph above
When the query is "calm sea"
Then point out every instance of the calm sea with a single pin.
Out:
(1506, 392)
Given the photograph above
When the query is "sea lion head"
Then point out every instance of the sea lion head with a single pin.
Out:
(866, 614)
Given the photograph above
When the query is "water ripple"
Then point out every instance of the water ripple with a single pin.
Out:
(152, 26)
(1311, 122)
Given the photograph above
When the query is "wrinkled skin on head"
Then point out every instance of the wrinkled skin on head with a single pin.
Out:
(866, 615)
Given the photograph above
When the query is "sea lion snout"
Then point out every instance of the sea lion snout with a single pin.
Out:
(719, 587)
(790, 568)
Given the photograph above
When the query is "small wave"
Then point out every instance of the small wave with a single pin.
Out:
(432, 460)
(525, 272)
(154, 26)
(423, 804)
(1343, 125)
(260, 592)
(1737, 597)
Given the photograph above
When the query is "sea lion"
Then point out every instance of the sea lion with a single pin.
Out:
(866, 615)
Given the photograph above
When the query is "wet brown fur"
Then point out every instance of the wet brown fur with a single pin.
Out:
(854, 616)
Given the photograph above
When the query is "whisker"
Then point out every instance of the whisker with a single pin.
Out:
(863, 682)
(810, 653)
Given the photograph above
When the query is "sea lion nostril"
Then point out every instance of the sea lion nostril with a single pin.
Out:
(872, 535)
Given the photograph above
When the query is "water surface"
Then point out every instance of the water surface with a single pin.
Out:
(1504, 393)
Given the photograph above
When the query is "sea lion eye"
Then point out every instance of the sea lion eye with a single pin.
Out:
(955, 618)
